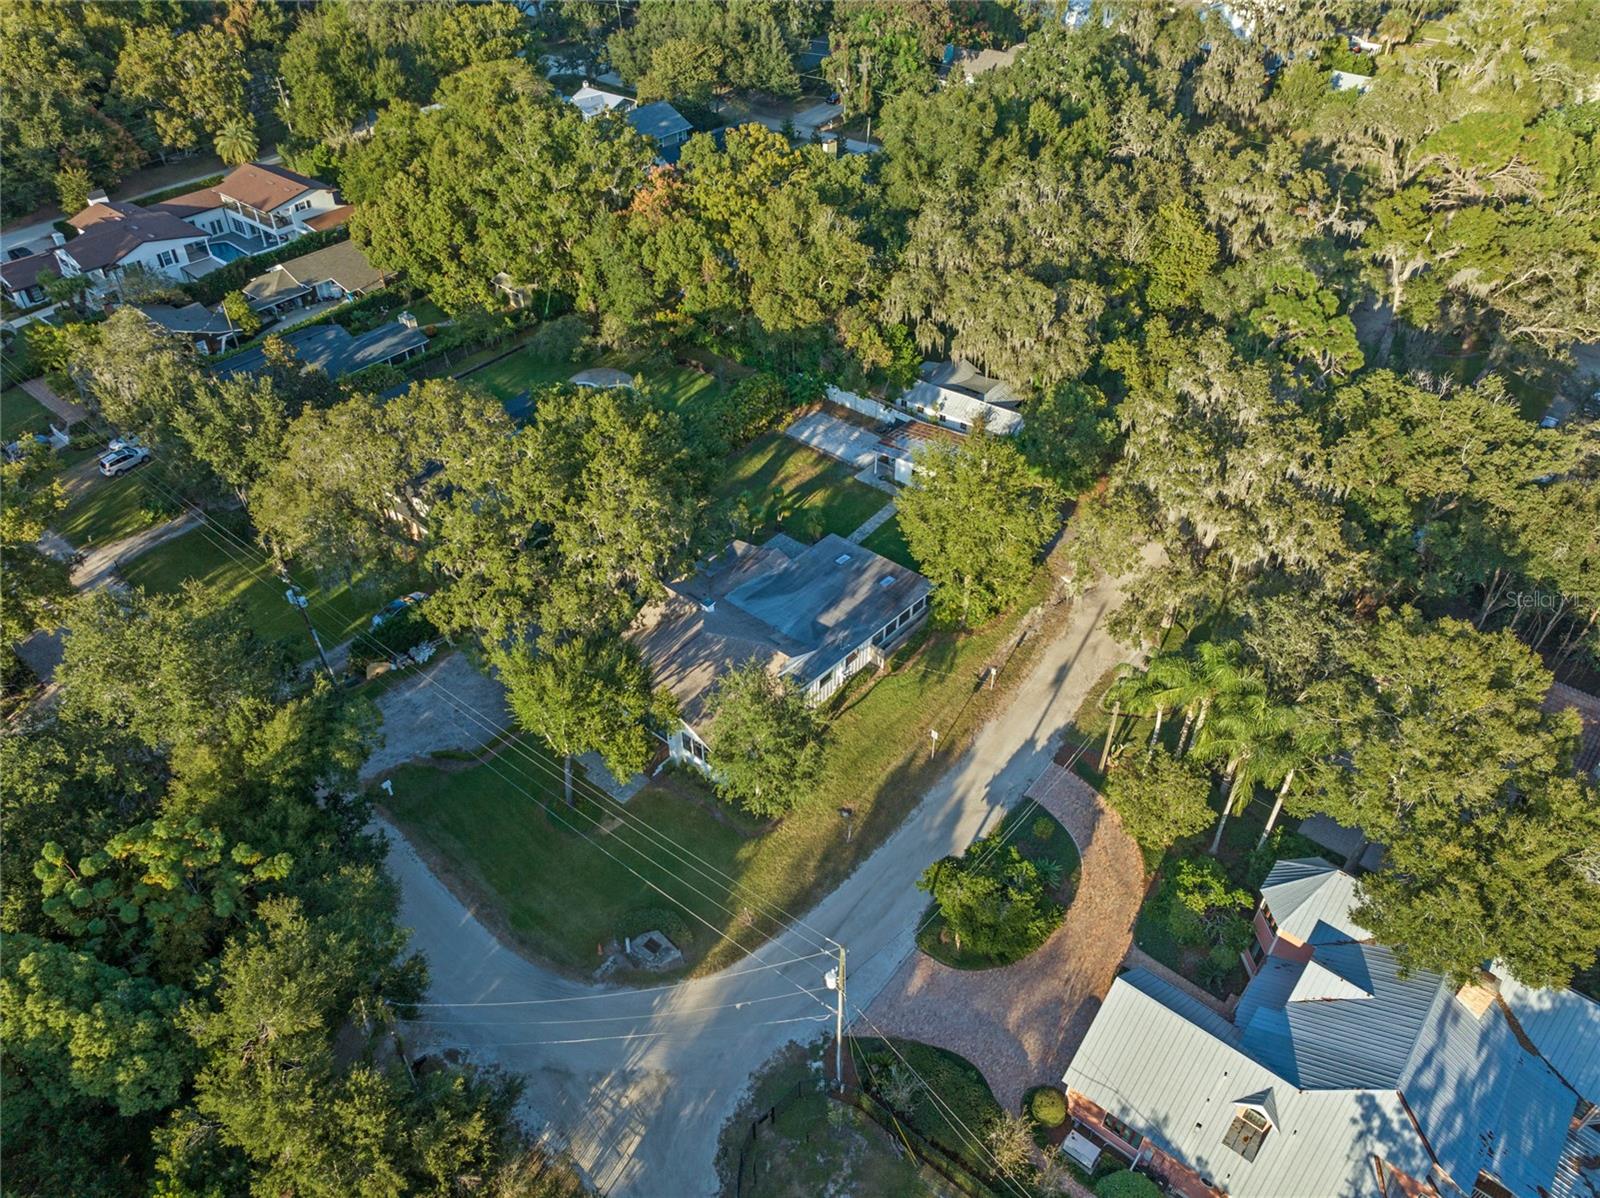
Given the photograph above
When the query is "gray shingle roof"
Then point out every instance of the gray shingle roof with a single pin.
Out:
(333, 349)
(107, 242)
(343, 263)
(798, 609)
(189, 319)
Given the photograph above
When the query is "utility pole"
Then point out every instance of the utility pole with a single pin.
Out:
(835, 982)
(298, 602)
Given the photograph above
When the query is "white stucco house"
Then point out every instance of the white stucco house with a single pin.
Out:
(957, 395)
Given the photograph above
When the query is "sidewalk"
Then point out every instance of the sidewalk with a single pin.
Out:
(873, 523)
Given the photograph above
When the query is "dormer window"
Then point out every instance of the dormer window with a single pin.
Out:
(1247, 1132)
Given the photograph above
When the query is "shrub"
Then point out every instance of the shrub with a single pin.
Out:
(665, 920)
(1048, 1106)
(559, 340)
(996, 903)
(1126, 1184)
(1200, 906)
(1044, 828)
(400, 633)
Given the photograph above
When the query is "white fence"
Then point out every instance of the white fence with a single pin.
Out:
(865, 406)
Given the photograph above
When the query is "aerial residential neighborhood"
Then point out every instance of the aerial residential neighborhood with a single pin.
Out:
(790, 598)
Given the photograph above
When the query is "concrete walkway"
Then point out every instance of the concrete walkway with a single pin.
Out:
(1021, 1023)
(65, 411)
(99, 564)
(874, 522)
(640, 1097)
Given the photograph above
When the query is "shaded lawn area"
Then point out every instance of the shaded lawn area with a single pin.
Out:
(776, 484)
(673, 387)
(890, 542)
(502, 828)
(560, 896)
(239, 575)
(959, 1087)
(811, 1141)
(21, 414)
(1041, 839)
(108, 509)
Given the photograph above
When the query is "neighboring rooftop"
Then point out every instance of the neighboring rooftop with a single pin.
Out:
(106, 242)
(266, 187)
(601, 376)
(910, 435)
(189, 320)
(331, 219)
(1562, 696)
(1349, 1059)
(592, 101)
(797, 609)
(343, 263)
(659, 120)
(1311, 900)
(100, 209)
(331, 348)
(19, 274)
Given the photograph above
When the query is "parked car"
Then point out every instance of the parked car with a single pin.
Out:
(395, 606)
(120, 461)
(128, 441)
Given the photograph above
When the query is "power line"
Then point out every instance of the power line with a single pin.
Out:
(673, 1012)
(527, 1002)
(644, 1035)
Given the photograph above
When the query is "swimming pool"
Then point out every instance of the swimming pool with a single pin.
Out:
(224, 251)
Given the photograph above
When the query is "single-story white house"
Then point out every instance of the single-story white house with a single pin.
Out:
(814, 615)
(957, 395)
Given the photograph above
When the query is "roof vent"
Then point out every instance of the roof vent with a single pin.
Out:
(841, 559)
(708, 605)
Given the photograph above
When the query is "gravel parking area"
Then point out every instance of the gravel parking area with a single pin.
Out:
(448, 704)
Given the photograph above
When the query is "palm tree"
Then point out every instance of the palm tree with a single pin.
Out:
(1244, 733)
(1161, 688)
(1303, 740)
(235, 142)
(1217, 672)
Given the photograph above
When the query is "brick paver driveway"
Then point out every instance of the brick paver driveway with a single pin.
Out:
(1020, 1024)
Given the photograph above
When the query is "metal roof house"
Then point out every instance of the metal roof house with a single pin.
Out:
(813, 614)
(663, 124)
(208, 330)
(957, 395)
(1339, 1077)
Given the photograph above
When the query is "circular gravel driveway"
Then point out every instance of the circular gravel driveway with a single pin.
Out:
(1021, 1023)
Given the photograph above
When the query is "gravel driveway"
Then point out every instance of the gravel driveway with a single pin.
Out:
(1020, 1024)
(422, 715)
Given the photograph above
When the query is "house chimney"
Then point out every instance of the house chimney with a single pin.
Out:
(408, 320)
(1480, 995)
(58, 238)
(97, 197)
(830, 144)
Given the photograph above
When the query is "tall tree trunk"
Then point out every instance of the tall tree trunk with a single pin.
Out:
(1155, 734)
(1111, 730)
(1199, 723)
(566, 777)
(1227, 806)
(1277, 806)
(1183, 732)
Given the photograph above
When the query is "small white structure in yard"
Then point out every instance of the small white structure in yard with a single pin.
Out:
(601, 377)
(815, 615)
(592, 101)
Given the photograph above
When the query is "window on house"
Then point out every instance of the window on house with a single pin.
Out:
(1257, 952)
(301, 206)
(1247, 1132)
(1489, 1187)
(1122, 1131)
(920, 606)
(696, 749)
(1266, 914)
(166, 258)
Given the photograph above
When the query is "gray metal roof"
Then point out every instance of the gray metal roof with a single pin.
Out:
(659, 120)
(1311, 900)
(189, 319)
(1564, 1025)
(1328, 1046)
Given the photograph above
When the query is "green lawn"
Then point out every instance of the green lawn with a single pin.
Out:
(107, 509)
(890, 541)
(240, 575)
(674, 387)
(559, 896)
(502, 828)
(21, 414)
(779, 485)
(1041, 839)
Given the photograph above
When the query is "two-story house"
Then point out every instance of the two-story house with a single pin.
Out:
(957, 395)
(257, 208)
(1341, 1075)
(815, 615)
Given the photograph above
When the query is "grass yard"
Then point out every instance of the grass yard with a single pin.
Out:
(777, 484)
(502, 828)
(811, 1141)
(890, 542)
(239, 575)
(674, 387)
(1041, 839)
(108, 509)
(559, 896)
(20, 415)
